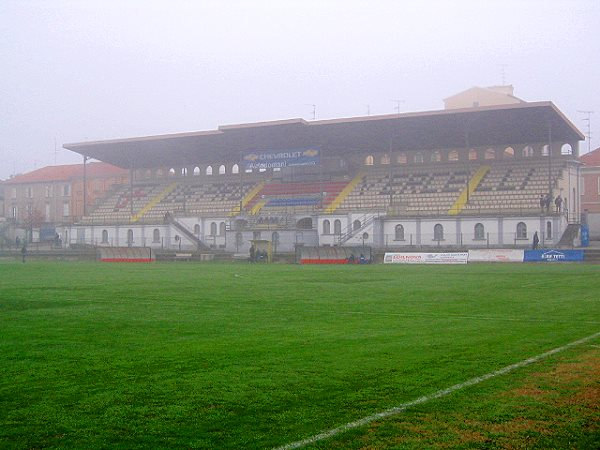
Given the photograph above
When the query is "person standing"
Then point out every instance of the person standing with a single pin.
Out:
(252, 253)
(23, 252)
(536, 240)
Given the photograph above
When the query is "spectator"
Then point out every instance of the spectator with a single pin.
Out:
(536, 240)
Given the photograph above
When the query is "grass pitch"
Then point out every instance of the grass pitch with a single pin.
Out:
(257, 356)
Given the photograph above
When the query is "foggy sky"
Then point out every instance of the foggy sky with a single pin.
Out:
(82, 70)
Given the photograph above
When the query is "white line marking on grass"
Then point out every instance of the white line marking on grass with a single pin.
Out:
(426, 398)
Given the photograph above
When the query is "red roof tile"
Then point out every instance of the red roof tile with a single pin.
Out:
(592, 158)
(67, 173)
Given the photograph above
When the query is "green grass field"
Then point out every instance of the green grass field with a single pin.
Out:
(183, 355)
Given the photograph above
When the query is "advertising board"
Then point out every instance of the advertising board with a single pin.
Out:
(495, 255)
(426, 258)
(553, 255)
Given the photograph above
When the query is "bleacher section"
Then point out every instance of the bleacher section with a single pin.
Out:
(425, 190)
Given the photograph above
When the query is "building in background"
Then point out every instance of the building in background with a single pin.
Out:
(39, 201)
(590, 191)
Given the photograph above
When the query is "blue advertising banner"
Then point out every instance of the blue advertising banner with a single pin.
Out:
(282, 158)
(585, 235)
(553, 255)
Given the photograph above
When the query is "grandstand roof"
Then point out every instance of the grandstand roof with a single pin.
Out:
(493, 125)
(592, 158)
(67, 173)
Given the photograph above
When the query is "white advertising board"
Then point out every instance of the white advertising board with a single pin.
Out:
(426, 258)
(495, 255)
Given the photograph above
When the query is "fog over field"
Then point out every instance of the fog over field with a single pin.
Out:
(90, 70)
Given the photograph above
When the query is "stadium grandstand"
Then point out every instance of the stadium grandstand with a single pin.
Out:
(474, 174)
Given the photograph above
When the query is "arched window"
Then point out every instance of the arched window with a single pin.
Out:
(479, 231)
(184, 172)
(436, 156)
(156, 235)
(209, 170)
(275, 239)
(402, 158)
(472, 155)
(399, 233)
(566, 150)
(527, 151)
(213, 229)
(104, 237)
(438, 232)
(453, 155)
(235, 169)
(239, 239)
(171, 172)
(326, 227)
(221, 169)
(356, 225)
(196, 171)
(385, 159)
(337, 226)
(418, 158)
(197, 229)
(545, 150)
(369, 160)
(521, 230)
(130, 236)
(490, 153)
(509, 152)
(222, 229)
(548, 230)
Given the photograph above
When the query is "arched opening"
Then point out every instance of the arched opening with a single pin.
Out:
(479, 231)
(221, 169)
(527, 151)
(545, 150)
(566, 149)
(209, 170)
(156, 235)
(509, 152)
(436, 156)
(197, 229)
(104, 236)
(385, 159)
(326, 227)
(472, 155)
(222, 229)
(171, 172)
(548, 230)
(213, 229)
(305, 223)
(438, 232)
(356, 225)
(489, 153)
(453, 155)
(235, 169)
(418, 158)
(196, 171)
(337, 227)
(521, 230)
(399, 233)
(275, 240)
(369, 160)
(184, 172)
(401, 158)
(129, 237)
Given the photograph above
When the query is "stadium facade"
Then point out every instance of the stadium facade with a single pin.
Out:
(471, 175)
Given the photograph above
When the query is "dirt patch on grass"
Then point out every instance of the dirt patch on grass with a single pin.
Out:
(550, 409)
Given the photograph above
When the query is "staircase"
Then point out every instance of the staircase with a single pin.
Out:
(187, 233)
(570, 233)
(365, 221)
(463, 198)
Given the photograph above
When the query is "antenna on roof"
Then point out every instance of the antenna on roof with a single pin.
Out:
(503, 73)
(314, 109)
(588, 135)
(398, 105)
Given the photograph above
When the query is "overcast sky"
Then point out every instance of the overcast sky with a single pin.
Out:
(82, 70)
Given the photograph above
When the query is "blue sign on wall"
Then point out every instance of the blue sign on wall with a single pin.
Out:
(585, 235)
(553, 255)
(282, 158)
